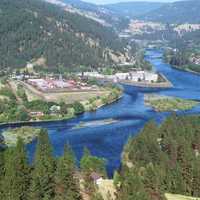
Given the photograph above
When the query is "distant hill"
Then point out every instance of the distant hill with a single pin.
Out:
(31, 30)
(177, 12)
(96, 12)
(82, 5)
(133, 9)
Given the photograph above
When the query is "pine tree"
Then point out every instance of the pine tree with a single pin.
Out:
(16, 173)
(152, 181)
(132, 187)
(22, 171)
(42, 184)
(185, 160)
(116, 179)
(1, 173)
(67, 186)
(91, 164)
(83, 162)
(196, 179)
(1, 165)
(10, 175)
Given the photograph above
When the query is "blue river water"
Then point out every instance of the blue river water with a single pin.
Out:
(130, 115)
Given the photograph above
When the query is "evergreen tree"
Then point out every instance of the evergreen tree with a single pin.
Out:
(91, 164)
(22, 171)
(1, 173)
(42, 184)
(83, 162)
(9, 184)
(152, 181)
(16, 173)
(1, 165)
(132, 187)
(196, 179)
(67, 186)
(116, 179)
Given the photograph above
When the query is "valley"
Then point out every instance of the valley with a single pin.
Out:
(99, 102)
(130, 110)
(129, 115)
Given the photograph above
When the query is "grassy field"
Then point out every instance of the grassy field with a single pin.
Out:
(165, 103)
(70, 97)
(179, 197)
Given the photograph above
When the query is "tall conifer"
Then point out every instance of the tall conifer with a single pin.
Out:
(42, 184)
(67, 186)
(15, 184)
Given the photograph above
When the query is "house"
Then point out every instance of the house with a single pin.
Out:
(36, 114)
(29, 65)
(96, 178)
(55, 109)
(17, 77)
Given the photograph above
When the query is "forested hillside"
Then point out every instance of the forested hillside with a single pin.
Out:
(176, 13)
(133, 9)
(162, 159)
(99, 13)
(32, 29)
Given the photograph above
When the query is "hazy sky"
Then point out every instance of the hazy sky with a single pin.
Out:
(114, 1)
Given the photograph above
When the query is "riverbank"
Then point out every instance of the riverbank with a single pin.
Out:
(185, 69)
(28, 134)
(166, 104)
(20, 108)
(98, 102)
(88, 107)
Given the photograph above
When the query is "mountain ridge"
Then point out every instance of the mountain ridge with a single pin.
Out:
(133, 9)
(176, 13)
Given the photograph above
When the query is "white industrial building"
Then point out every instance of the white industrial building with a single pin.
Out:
(135, 76)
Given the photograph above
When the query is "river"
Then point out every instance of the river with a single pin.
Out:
(129, 114)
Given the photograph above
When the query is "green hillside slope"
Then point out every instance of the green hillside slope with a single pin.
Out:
(31, 29)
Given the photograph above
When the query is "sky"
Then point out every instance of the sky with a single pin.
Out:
(115, 1)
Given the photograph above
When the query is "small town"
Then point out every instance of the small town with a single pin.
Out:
(59, 85)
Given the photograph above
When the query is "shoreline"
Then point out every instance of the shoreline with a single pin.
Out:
(185, 70)
(56, 120)
(105, 104)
